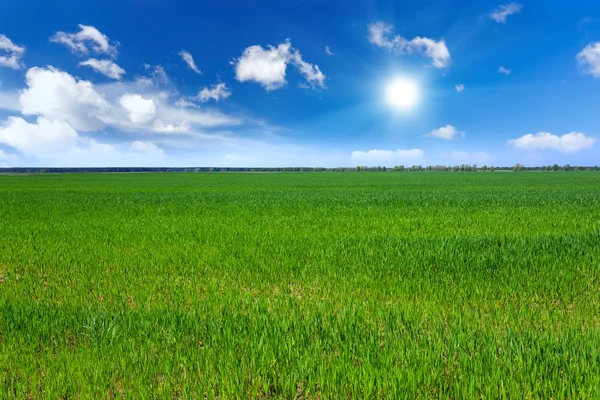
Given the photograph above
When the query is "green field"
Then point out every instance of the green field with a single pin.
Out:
(316, 285)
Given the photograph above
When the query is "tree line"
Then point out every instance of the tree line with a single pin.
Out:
(360, 168)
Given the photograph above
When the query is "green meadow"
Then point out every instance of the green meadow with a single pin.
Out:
(300, 285)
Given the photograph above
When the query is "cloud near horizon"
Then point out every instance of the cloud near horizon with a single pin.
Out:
(568, 143)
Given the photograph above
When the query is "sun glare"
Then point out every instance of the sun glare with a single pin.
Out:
(402, 94)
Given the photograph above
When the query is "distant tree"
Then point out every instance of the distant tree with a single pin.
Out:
(384, 169)
(567, 167)
(456, 168)
(518, 167)
(474, 168)
(484, 168)
(576, 168)
(379, 168)
(555, 167)
(492, 168)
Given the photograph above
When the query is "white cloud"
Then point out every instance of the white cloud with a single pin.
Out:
(504, 11)
(567, 143)
(589, 59)
(387, 158)
(310, 72)
(504, 71)
(189, 60)
(459, 88)
(58, 96)
(38, 139)
(479, 158)
(328, 51)
(217, 92)
(105, 67)
(161, 127)
(183, 103)
(10, 53)
(268, 66)
(139, 109)
(56, 143)
(88, 39)
(157, 77)
(64, 107)
(437, 51)
(447, 132)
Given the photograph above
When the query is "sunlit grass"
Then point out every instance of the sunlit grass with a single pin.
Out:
(374, 285)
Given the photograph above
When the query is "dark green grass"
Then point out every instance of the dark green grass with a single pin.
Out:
(331, 285)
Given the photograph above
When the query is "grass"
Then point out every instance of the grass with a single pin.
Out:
(349, 285)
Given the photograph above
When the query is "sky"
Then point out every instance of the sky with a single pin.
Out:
(299, 83)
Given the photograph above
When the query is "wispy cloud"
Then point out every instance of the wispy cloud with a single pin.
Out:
(501, 13)
(10, 53)
(217, 92)
(106, 67)
(504, 71)
(436, 50)
(87, 40)
(189, 60)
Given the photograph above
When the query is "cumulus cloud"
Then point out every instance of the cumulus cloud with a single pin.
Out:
(64, 108)
(480, 158)
(437, 51)
(106, 67)
(56, 143)
(87, 40)
(567, 143)
(189, 60)
(328, 51)
(589, 59)
(387, 158)
(37, 139)
(217, 92)
(459, 88)
(447, 132)
(139, 109)
(504, 71)
(268, 66)
(501, 13)
(58, 96)
(10, 53)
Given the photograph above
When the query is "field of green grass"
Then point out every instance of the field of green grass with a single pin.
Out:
(328, 286)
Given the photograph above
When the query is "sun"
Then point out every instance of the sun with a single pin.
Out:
(402, 94)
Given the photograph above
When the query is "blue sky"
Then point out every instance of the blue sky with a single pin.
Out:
(298, 83)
